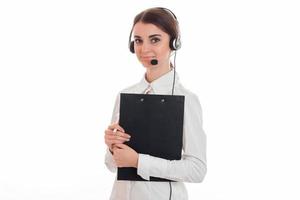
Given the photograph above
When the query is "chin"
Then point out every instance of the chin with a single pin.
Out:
(147, 64)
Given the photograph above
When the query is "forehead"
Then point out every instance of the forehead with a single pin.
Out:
(144, 30)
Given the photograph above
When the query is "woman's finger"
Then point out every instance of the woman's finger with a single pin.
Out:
(114, 137)
(112, 142)
(118, 133)
(116, 126)
(121, 134)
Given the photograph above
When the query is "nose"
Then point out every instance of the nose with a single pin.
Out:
(145, 47)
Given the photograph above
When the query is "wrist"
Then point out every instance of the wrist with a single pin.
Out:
(136, 161)
(111, 150)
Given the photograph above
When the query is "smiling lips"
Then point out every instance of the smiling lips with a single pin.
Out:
(147, 58)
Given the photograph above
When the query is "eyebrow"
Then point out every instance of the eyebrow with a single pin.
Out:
(150, 36)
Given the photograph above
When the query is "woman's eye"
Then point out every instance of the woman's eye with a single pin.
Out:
(137, 41)
(154, 40)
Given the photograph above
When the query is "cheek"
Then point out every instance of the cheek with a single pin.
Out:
(164, 52)
(137, 51)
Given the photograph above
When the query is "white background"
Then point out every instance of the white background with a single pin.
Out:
(62, 64)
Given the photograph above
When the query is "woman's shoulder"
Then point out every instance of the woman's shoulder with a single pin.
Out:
(186, 92)
(192, 102)
(131, 88)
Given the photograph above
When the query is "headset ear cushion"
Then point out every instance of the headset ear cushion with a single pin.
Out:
(178, 43)
(171, 44)
(131, 47)
(175, 44)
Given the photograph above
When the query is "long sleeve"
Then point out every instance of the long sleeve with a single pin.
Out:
(192, 166)
(109, 161)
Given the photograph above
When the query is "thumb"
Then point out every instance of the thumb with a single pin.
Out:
(121, 146)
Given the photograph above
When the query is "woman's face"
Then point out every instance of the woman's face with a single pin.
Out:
(150, 42)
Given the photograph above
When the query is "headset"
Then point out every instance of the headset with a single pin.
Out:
(175, 43)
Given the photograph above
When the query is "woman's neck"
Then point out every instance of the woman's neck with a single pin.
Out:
(154, 73)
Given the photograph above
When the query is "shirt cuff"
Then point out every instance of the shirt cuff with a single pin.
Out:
(143, 166)
(109, 161)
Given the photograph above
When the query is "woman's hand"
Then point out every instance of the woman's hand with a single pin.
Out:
(125, 156)
(115, 134)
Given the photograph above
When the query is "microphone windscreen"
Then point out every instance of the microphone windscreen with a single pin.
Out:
(154, 62)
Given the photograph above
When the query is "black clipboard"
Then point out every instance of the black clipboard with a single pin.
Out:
(155, 123)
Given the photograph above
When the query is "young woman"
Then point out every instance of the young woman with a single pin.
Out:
(156, 37)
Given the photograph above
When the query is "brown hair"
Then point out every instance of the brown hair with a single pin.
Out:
(164, 19)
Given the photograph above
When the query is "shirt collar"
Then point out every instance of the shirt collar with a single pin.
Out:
(161, 85)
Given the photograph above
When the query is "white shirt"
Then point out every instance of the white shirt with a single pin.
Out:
(191, 167)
